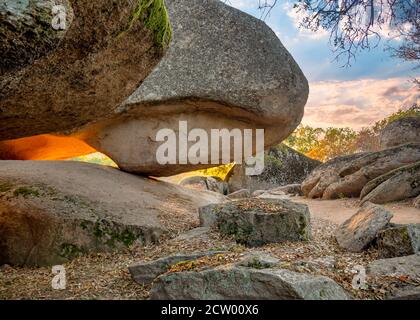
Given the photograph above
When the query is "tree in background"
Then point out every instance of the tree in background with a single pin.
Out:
(325, 144)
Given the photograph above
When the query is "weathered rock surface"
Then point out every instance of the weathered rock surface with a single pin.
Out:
(146, 272)
(58, 80)
(245, 80)
(358, 232)
(205, 183)
(398, 184)
(401, 131)
(240, 194)
(346, 176)
(52, 211)
(258, 221)
(231, 282)
(401, 266)
(416, 202)
(282, 166)
(397, 241)
(258, 260)
(284, 192)
(409, 292)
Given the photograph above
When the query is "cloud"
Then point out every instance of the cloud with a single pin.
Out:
(357, 103)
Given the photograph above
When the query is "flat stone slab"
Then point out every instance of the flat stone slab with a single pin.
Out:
(231, 282)
(259, 221)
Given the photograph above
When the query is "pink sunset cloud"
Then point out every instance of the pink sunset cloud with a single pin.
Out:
(357, 103)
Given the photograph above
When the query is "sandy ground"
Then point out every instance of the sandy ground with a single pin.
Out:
(337, 211)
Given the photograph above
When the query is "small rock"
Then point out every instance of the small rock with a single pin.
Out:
(259, 221)
(258, 260)
(358, 232)
(230, 282)
(257, 193)
(408, 266)
(399, 241)
(207, 215)
(202, 183)
(240, 194)
(193, 234)
(327, 262)
(145, 272)
(417, 202)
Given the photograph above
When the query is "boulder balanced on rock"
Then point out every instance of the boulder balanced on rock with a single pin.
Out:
(224, 69)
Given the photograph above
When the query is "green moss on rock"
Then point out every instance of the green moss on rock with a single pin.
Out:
(155, 17)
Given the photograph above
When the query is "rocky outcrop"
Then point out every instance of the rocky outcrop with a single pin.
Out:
(347, 176)
(358, 232)
(51, 211)
(282, 166)
(401, 131)
(398, 184)
(58, 80)
(145, 272)
(244, 80)
(400, 240)
(407, 266)
(230, 282)
(259, 221)
(214, 184)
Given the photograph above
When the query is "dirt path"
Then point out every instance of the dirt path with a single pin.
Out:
(337, 211)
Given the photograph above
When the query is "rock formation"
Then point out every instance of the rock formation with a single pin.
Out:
(53, 211)
(347, 176)
(244, 79)
(401, 131)
(282, 166)
(59, 80)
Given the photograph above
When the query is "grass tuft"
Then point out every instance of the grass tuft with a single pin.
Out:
(155, 18)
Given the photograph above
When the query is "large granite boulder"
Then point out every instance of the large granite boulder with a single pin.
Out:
(282, 166)
(401, 131)
(256, 222)
(347, 176)
(57, 80)
(53, 211)
(232, 282)
(358, 232)
(398, 184)
(399, 240)
(224, 69)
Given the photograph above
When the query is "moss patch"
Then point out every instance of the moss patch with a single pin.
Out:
(26, 192)
(154, 16)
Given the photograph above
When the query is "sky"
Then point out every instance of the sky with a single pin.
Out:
(375, 86)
